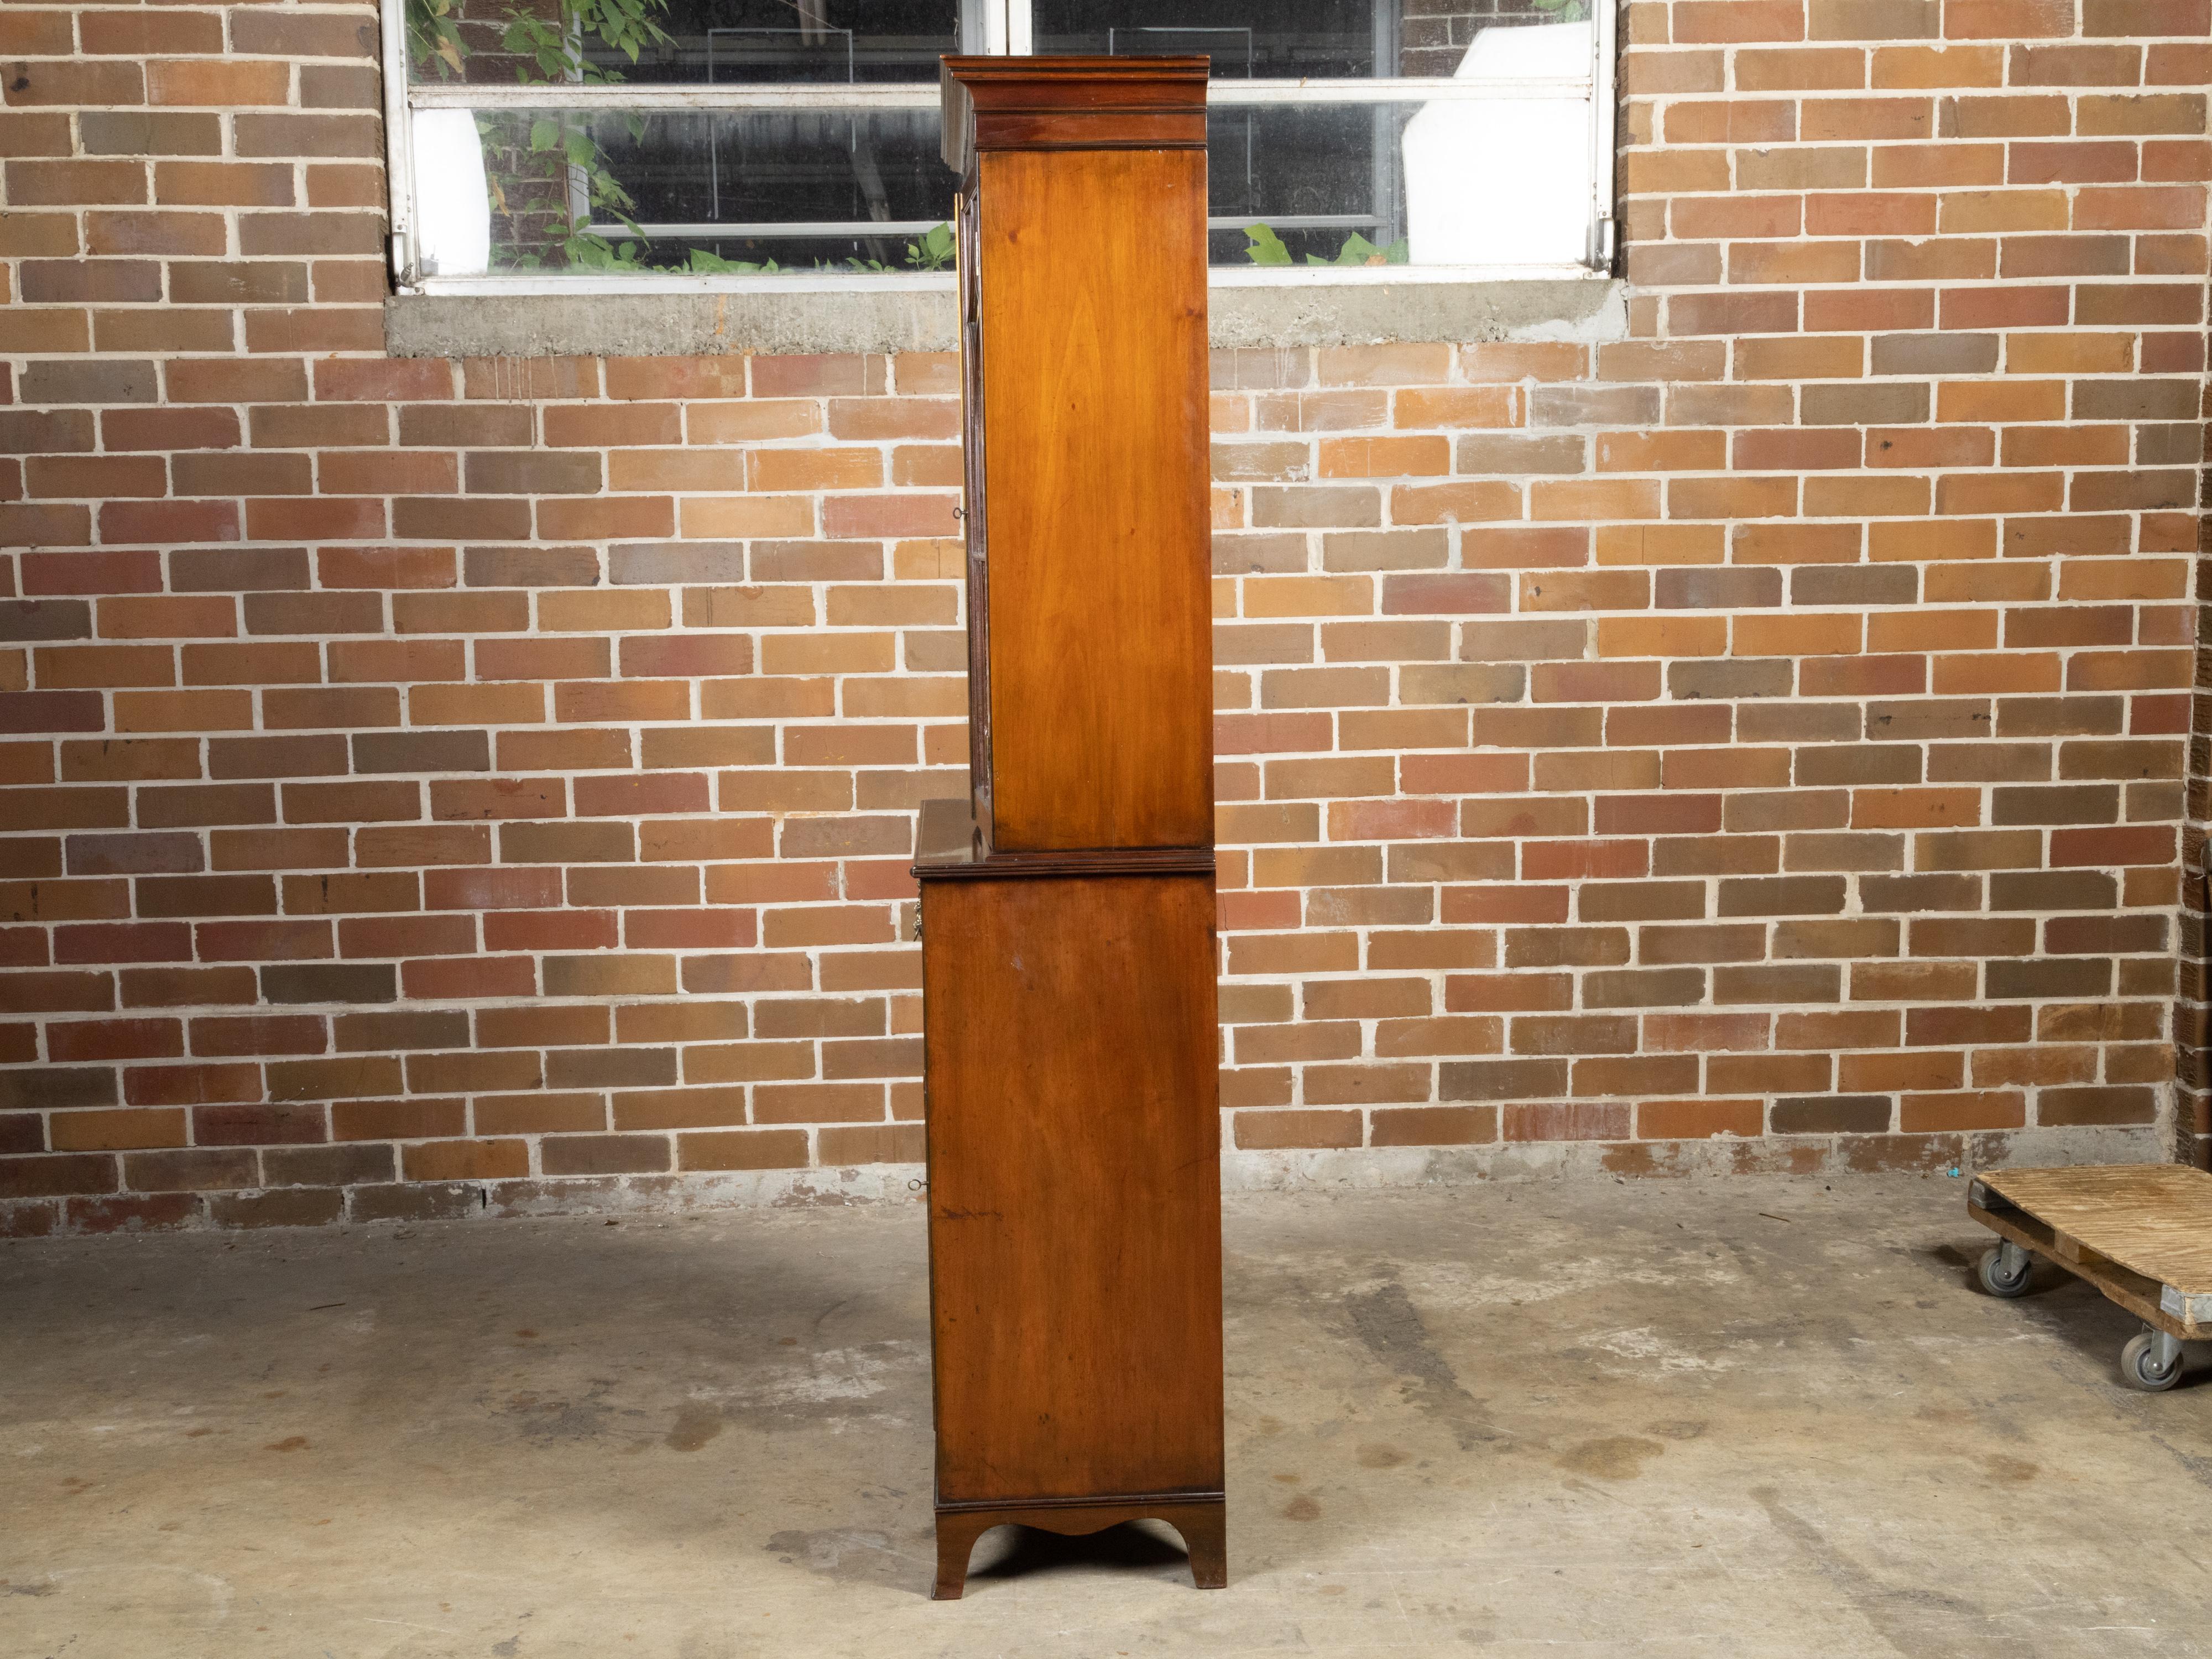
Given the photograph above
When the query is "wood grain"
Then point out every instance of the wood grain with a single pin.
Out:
(1090, 270)
(2152, 1219)
(2123, 1286)
(1074, 1186)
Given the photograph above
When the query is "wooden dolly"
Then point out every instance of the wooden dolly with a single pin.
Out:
(2141, 1233)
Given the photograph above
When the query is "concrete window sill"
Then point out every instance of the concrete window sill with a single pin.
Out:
(690, 316)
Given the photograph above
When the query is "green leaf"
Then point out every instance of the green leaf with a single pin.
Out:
(1399, 252)
(932, 252)
(545, 133)
(1264, 247)
(432, 40)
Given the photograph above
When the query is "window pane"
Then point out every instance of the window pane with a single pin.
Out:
(753, 167)
(1425, 182)
(1327, 162)
(1443, 182)
(803, 190)
(781, 40)
(494, 42)
(1289, 40)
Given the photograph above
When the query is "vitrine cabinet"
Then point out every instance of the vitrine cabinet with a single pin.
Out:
(1068, 948)
(1083, 322)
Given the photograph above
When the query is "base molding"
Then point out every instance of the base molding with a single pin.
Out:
(1825, 1157)
(1202, 1518)
(1346, 1169)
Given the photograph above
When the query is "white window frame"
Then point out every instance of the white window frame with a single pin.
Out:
(1005, 30)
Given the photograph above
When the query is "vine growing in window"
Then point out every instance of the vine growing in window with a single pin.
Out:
(558, 156)
(558, 159)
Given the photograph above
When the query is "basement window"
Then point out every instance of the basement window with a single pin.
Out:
(711, 144)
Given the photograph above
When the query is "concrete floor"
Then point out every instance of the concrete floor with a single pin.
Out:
(1736, 1418)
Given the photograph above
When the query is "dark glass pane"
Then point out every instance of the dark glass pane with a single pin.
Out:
(777, 165)
(762, 41)
(1246, 38)
(1313, 173)
(725, 183)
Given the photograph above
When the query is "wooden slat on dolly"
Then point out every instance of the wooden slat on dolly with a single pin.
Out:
(2141, 1233)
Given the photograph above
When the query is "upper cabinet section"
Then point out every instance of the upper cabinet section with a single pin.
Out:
(1088, 525)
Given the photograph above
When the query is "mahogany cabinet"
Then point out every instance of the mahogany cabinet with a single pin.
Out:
(1067, 907)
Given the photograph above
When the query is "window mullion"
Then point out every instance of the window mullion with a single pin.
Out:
(1603, 52)
(398, 147)
(990, 33)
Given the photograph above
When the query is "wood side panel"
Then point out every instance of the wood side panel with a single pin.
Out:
(1074, 1196)
(1093, 377)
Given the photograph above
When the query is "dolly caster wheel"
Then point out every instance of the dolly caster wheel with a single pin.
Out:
(2151, 1361)
(2003, 1270)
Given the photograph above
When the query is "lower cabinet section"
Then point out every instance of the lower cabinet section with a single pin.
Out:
(1074, 1204)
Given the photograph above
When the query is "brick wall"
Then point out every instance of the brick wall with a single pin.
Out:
(431, 783)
